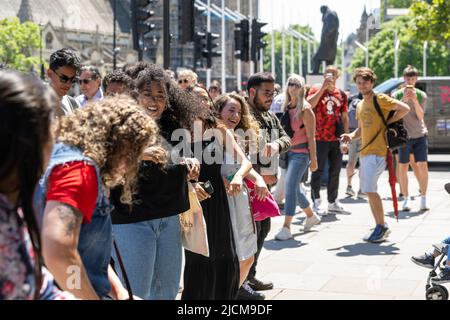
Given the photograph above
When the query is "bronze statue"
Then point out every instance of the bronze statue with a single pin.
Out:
(328, 42)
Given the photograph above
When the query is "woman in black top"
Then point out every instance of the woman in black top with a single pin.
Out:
(216, 277)
(148, 233)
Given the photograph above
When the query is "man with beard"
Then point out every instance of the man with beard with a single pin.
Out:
(261, 89)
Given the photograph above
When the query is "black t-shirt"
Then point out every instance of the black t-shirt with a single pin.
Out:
(162, 193)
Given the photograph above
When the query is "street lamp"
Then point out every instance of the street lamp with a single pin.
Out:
(41, 26)
(366, 50)
(425, 47)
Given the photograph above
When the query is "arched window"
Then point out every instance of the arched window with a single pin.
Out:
(49, 41)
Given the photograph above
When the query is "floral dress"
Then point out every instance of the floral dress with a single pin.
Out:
(17, 260)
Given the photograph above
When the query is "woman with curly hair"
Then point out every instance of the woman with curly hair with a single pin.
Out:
(148, 232)
(235, 114)
(26, 142)
(98, 147)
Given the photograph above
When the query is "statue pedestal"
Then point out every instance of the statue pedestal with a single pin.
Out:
(317, 79)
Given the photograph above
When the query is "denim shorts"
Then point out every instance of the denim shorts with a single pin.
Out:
(418, 147)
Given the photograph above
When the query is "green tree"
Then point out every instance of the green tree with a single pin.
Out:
(431, 21)
(279, 51)
(381, 51)
(18, 43)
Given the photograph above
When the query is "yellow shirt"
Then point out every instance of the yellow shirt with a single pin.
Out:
(371, 124)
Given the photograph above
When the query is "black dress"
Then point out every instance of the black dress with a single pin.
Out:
(216, 277)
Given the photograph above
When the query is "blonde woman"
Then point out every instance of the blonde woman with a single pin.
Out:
(187, 79)
(300, 124)
(235, 114)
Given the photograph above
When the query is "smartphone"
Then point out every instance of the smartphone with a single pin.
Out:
(207, 186)
(329, 76)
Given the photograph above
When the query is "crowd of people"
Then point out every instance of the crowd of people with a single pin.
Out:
(92, 187)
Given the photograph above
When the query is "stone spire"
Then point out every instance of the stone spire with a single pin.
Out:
(25, 13)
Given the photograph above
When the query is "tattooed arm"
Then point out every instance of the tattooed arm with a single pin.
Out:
(60, 233)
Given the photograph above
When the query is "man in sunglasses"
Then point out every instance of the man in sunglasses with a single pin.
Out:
(90, 85)
(64, 68)
(187, 79)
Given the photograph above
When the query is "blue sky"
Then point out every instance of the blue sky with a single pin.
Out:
(286, 12)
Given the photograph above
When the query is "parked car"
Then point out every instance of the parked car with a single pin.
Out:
(437, 115)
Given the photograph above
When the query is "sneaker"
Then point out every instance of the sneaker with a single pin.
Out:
(443, 277)
(284, 234)
(400, 197)
(423, 204)
(350, 192)
(311, 222)
(426, 260)
(259, 285)
(318, 209)
(406, 206)
(361, 195)
(379, 234)
(336, 207)
(247, 293)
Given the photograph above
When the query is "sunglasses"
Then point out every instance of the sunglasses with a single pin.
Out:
(65, 79)
(85, 81)
(183, 81)
(294, 85)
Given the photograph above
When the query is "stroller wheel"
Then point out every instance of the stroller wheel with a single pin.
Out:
(437, 293)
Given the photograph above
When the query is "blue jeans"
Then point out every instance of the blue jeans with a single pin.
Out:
(151, 252)
(298, 163)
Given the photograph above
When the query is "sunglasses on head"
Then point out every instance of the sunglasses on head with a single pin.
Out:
(65, 79)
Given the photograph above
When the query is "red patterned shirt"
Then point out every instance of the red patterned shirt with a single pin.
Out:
(328, 112)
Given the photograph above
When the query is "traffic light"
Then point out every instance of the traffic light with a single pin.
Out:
(139, 16)
(242, 40)
(257, 39)
(211, 45)
(200, 41)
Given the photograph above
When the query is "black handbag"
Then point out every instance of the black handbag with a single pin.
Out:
(396, 133)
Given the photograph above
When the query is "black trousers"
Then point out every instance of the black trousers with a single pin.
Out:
(262, 229)
(332, 152)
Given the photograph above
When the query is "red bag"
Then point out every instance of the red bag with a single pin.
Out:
(268, 208)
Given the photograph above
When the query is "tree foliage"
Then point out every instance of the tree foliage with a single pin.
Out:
(431, 21)
(18, 43)
(381, 51)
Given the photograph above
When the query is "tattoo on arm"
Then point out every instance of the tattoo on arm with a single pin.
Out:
(70, 217)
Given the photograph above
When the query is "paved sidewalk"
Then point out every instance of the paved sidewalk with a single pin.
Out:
(332, 261)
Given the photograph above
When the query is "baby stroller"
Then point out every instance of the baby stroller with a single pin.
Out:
(436, 291)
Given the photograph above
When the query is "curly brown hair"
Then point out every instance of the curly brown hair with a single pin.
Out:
(109, 132)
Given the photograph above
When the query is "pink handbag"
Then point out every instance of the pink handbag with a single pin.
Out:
(268, 208)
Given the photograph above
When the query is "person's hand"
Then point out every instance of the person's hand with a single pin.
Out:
(313, 165)
(193, 166)
(235, 186)
(261, 189)
(328, 83)
(270, 180)
(202, 195)
(346, 138)
(344, 148)
(123, 295)
(154, 154)
(271, 149)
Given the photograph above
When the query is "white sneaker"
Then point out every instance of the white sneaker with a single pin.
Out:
(284, 234)
(317, 208)
(337, 208)
(423, 204)
(406, 206)
(311, 222)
